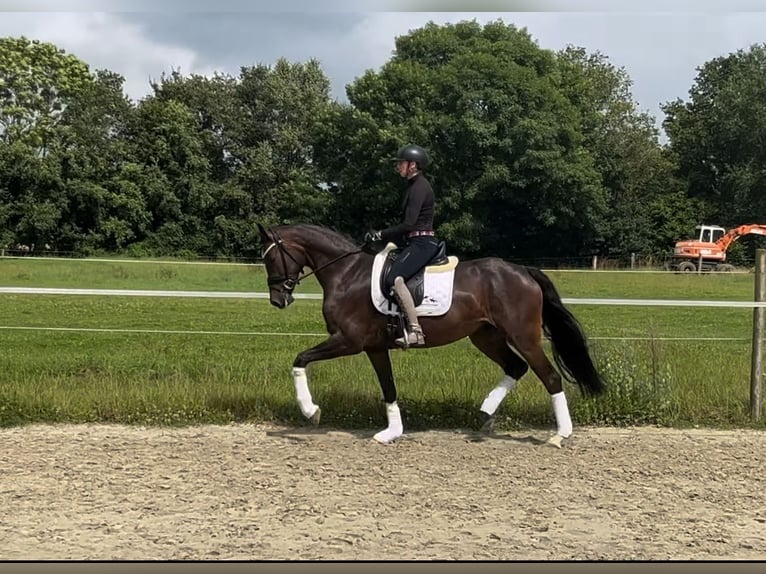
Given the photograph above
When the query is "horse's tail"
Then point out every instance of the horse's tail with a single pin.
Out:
(570, 347)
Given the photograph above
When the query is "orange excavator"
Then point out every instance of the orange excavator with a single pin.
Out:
(709, 248)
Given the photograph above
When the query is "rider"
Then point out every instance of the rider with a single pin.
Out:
(415, 232)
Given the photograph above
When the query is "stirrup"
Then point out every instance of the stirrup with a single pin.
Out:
(414, 338)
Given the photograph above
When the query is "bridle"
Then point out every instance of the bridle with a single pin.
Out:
(290, 283)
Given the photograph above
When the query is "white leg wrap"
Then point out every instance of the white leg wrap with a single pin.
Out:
(496, 395)
(308, 408)
(561, 410)
(395, 428)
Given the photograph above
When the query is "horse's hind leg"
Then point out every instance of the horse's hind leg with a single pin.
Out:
(530, 347)
(493, 344)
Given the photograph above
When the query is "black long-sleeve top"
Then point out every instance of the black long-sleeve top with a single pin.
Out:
(418, 207)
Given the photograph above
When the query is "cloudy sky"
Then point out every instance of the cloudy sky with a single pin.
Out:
(660, 44)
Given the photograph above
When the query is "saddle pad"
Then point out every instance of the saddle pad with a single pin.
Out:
(437, 285)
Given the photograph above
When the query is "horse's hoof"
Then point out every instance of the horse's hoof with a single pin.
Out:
(314, 420)
(556, 440)
(387, 437)
(488, 424)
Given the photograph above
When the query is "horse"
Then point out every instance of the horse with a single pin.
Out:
(505, 309)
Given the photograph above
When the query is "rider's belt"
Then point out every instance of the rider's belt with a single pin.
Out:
(420, 233)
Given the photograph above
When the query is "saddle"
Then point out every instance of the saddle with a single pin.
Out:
(416, 283)
(431, 287)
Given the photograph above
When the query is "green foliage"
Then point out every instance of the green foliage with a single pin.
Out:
(286, 104)
(509, 169)
(37, 82)
(646, 203)
(537, 154)
(640, 387)
(717, 136)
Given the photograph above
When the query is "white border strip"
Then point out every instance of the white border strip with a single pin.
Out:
(158, 331)
(318, 296)
(148, 293)
(97, 260)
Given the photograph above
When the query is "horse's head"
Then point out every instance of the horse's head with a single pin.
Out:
(284, 264)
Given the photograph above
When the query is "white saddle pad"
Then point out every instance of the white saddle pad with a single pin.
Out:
(437, 287)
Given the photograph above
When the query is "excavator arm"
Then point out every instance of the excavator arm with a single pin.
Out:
(733, 234)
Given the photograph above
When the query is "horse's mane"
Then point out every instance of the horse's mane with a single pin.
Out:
(337, 238)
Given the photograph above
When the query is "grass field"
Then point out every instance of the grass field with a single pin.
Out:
(147, 360)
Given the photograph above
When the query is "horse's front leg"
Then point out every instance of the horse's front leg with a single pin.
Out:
(381, 362)
(335, 346)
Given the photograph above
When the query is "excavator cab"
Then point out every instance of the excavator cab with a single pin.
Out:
(709, 233)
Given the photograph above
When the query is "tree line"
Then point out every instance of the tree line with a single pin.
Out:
(536, 153)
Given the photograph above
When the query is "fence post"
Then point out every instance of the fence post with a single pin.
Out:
(594, 263)
(756, 376)
(632, 260)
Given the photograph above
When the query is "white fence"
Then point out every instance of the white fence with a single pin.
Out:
(318, 296)
(758, 305)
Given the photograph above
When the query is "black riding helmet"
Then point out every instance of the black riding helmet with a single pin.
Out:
(414, 153)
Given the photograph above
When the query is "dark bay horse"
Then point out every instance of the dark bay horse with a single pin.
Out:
(505, 309)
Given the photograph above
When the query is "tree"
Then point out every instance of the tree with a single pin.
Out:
(511, 173)
(646, 201)
(38, 83)
(104, 209)
(218, 113)
(37, 80)
(29, 194)
(284, 107)
(173, 175)
(718, 137)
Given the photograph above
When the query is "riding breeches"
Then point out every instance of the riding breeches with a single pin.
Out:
(414, 256)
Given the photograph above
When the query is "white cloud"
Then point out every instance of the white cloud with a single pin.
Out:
(105, 41)
(659, 50)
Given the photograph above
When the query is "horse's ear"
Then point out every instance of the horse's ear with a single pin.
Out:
(264, 235)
